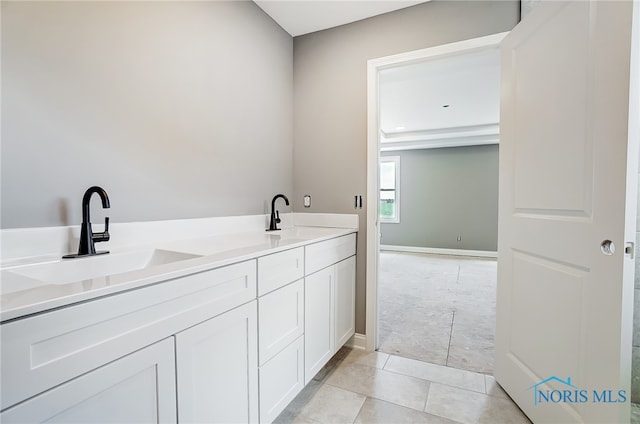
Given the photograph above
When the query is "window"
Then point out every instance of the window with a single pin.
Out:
(390, 189)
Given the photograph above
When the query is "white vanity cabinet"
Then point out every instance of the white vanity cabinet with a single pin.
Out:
(138, 388)
(329, 300)
(281, 327)
(217, 369)
(229, 344)
(44, 354)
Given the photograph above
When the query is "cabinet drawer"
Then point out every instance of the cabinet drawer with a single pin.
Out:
(280, 319)
(50, 348)
(279, 269)
(321, 255)
(281, 379)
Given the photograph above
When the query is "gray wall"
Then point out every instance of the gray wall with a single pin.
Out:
(178, 109)
(330, 97)
(446, 193)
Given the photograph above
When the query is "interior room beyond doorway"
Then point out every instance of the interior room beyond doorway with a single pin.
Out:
(438, 309)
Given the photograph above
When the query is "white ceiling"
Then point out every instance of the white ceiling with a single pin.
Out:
(412, 97)
(442, 101)
(299, 17)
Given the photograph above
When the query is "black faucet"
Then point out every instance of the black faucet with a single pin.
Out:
(87, 237)
(275, 215)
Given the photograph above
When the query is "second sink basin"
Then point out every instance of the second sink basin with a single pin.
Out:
(70, 270)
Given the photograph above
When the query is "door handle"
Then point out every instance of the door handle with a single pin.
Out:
(607, 247)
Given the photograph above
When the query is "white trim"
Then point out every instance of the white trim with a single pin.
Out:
(373, 205)
(357, 341)
(440, 251)
(436, 144)
(373, 156)
(471, 135)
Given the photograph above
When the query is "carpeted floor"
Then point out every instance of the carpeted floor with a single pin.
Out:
(438, 309)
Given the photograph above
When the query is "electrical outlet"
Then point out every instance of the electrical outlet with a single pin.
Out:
(459, 238)
(307, 200)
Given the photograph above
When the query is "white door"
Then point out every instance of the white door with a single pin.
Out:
(567, 184)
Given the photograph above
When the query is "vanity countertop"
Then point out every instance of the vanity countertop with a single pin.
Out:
(47, 282)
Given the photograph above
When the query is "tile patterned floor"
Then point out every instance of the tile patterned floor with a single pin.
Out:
(375, 387)
(438, 309)
(437, 325)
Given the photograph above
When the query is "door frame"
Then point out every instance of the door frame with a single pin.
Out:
(374, 66)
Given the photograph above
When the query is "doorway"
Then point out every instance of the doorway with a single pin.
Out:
(436, 303)
(558, 229)
(390, 136)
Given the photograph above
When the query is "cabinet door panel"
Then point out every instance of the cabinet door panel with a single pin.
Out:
(281, 379)
(319, 340)
(138, 388)
(281, 319)
(217, 369)
(345, 300)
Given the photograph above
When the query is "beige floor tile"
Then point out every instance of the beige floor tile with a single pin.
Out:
(352, 356)
(322, 403)
(437, 373)
(332, 363)
(363, 357)
(369, 381)
(292, 413)
(472, 408)
(493, 388)
(376, 411)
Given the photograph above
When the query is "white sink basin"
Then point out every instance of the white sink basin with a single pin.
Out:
(71, 270)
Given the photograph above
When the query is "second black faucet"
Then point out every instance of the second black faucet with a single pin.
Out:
(275, 215)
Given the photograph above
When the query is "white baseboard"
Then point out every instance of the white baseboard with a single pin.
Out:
(357, 341)
(437, 251)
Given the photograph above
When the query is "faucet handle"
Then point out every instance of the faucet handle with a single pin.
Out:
(103, 236)
(278, 220)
